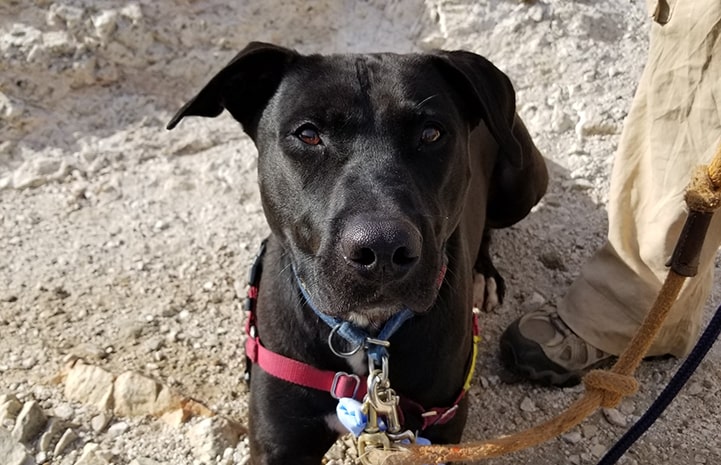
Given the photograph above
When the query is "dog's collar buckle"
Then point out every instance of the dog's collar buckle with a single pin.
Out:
(377, 342)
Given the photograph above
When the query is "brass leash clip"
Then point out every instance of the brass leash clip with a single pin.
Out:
(381, 401)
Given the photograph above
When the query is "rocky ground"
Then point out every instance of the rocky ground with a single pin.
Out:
(125, 247)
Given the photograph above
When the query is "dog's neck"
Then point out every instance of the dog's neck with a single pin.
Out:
(360, 339)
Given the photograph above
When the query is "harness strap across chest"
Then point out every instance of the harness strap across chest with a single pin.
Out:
(337, 384)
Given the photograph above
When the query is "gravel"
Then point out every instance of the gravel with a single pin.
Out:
(126, 246)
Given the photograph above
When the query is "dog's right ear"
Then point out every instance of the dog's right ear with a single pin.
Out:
(243, 86)
(519, 178)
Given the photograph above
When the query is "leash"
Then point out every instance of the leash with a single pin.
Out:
(704, 344)
(604, 388)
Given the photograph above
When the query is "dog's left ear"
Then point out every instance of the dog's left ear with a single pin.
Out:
(519, 178)
(243, 86)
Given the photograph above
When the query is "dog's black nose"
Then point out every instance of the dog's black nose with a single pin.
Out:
(381, 249)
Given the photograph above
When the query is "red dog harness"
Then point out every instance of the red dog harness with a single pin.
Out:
(337, 384)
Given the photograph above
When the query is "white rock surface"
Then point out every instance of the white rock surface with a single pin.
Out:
(94, 455)
(29, 423)
(12, 452)
(527, 405)
(615, 417)
(210, 437)
(90, 384)
(131, 221)
(50, 436)
(68, 437)
(10, 406)
(135, 394)
(99, 422)
(144, 461)
(118, 429)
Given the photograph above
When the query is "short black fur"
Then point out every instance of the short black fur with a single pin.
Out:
(368, 215)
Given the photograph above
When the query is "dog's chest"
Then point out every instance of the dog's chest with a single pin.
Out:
(358, 363)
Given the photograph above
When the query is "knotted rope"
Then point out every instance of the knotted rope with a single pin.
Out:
(603, 388)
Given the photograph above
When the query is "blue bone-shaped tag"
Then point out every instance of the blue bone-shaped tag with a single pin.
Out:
(350, 413)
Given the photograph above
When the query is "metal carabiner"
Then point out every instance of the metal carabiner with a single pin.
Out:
(337, 352)
(377, 440)
(385, 403)
(381, 400)
(383, 370)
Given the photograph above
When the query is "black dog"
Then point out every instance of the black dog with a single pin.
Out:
(377, 173)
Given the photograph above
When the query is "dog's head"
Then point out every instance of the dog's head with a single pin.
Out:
(364, 163)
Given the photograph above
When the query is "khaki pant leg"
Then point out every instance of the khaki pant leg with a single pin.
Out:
(674, 125)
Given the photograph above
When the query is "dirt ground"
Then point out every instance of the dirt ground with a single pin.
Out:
(128, 245)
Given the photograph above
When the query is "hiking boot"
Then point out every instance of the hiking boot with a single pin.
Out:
(540, 347)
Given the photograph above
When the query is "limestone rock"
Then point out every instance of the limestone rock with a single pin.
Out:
(118, 429)
(144, 461)
(211, 436)
(105, 23)
(9, 109)
(93, 455)
(614, 417)
(62, 15)
(39, 171)
(64, 412)
(12, 452)
(535, 302)
(68, 437)
(58, 42)
(135, 394)
(175, 417)
(129, 394)
(9, 408)
(572, 437)
(30, 422)
(598, 450)
(88, 351)
(55, 427)
(99, 422)
(41, 457)
(527, 405)
(90, 385)
(167, 400)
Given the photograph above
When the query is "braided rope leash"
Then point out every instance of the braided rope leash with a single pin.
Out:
(604, 388)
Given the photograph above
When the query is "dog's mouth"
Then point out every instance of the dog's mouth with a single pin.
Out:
(368, 304)
(373, 319)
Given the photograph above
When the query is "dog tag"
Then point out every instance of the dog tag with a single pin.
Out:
(350, 414)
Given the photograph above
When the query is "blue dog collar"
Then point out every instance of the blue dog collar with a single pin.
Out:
(356, 336)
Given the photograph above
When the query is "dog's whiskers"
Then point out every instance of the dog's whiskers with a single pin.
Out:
(424, 101)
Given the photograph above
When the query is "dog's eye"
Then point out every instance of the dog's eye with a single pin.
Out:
(430, 134)
(308, 134)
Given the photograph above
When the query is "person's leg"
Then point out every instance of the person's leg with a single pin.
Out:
(674, 125)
